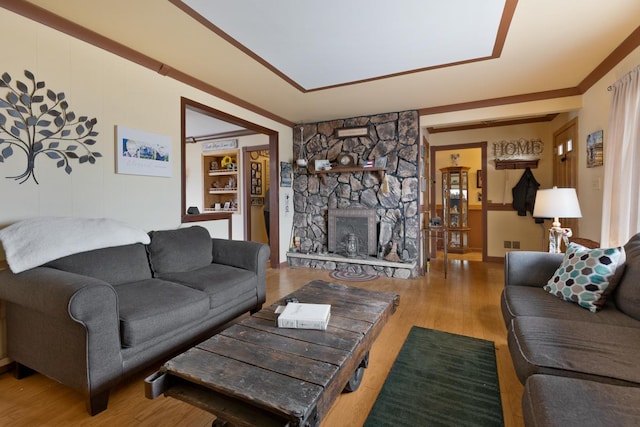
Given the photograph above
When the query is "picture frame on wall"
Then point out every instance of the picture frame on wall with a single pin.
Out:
(285, 174)
(380, 162)
(479, 178)
(256, 178)
(142, 153)
(595, 149)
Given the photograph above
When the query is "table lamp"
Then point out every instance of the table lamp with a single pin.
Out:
(557, 203)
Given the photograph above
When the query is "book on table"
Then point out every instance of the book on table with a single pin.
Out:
(305, 316)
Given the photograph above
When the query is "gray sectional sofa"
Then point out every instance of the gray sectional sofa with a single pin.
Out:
(89, 319)
(579, 367)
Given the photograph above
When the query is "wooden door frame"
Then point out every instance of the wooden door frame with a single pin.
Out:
(572, 125)
(246, 179)
(274, 242)
(485, 184)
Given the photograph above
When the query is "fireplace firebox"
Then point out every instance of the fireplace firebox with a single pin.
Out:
(345, 223)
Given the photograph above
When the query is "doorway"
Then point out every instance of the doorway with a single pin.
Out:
(242, 128)
(473, 156)
(565, 164)
(257, 180)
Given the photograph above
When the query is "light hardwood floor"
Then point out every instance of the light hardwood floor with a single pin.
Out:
(465, 303)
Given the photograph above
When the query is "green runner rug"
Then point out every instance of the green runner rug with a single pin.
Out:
(440, 379)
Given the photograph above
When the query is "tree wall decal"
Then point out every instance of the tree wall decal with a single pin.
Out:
(35, 125)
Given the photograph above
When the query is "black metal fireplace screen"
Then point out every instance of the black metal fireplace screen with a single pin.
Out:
(361, 222)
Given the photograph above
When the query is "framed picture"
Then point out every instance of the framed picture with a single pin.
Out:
(479, 178)
(285, 174)
(595, 146)
(227, 206)
(257, 201)
(322, 165)
(142, 153)
(352, 132)
(256, 178)
(380, 162)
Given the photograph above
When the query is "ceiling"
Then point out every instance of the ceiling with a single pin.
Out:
(362, 40)
(305, 61)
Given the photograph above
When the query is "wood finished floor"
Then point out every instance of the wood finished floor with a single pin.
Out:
(465, 303)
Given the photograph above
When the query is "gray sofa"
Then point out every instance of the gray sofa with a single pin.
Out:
(578, 367)
(89, 319)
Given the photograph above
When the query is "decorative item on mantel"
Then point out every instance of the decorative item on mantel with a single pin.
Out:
(454, 159)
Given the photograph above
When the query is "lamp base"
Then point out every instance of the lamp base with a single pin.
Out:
(556, 236)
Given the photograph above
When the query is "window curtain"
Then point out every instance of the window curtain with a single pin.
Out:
(621, 198)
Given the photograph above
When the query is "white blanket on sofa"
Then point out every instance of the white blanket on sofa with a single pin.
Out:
(36, 241)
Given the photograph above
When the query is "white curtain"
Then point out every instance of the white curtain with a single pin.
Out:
(621, 198)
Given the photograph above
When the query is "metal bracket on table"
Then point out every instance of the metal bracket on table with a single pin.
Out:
(156, 384)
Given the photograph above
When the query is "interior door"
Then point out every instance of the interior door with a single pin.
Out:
(565, 164)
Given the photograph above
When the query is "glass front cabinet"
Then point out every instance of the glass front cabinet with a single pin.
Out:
(455, 207)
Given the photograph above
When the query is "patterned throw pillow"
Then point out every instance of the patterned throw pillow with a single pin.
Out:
(587, 276)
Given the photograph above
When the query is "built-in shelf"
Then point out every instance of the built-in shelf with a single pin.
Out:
(516, 164)
(341, 169)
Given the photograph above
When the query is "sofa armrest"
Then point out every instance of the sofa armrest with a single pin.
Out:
(75, 303)
(528, 268)
(250, 256)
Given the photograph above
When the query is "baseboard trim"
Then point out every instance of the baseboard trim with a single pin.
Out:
(5, 365)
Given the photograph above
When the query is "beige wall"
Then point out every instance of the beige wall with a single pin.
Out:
(116, 92)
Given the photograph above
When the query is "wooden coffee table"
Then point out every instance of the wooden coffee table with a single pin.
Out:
(256, 374)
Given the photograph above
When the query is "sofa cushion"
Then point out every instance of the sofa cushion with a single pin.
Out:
(599, 352)
(587, 276)
(549, 400)
(222, 283)
(150, 308)
(529, 301)
(115, 265)
(180, 250)
(627, 294)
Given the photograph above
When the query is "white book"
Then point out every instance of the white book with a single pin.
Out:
(305, 316)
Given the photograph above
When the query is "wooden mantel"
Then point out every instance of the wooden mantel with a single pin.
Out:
(340, 169)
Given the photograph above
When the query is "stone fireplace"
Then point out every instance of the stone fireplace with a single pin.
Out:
(390, 199)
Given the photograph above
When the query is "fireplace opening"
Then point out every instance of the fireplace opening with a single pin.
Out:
(352, 227)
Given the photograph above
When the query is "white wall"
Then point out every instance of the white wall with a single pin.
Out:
(116, 92)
